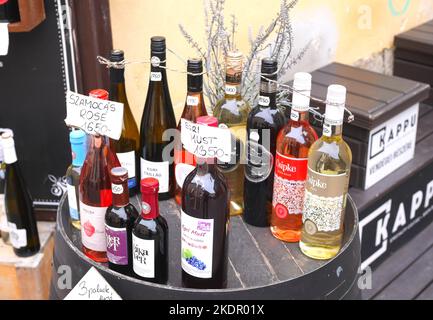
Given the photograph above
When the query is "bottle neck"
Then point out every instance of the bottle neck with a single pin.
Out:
(205, 165)
(298, 116)
(195, 84)
(156, 68)
(332, 129)
(79, 154)
(117, 76)
(233, 85)
(149, 206)
(10, 155)
(120, 194)
(268, 94)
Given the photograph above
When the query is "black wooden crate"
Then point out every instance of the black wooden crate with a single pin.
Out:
(414, 55)
(377, 101)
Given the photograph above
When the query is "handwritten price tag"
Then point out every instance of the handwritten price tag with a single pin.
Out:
(93, 286)
(206, 142)
(94, 116)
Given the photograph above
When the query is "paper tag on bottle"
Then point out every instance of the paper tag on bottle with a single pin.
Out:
(93, 286)
(264, 101)
(157, 170)
(230, 90)
(18, 237)
(192, 101)
(94, 116)
(327, 129)
(206, 142)
(72, 201)
(116, 188)
(93, 227)
(4, 38)
(155, 76)
(143, 257)
(197, 246)
(294, 115)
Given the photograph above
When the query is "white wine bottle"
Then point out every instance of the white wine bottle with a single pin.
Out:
(329, 162)
(23, 231)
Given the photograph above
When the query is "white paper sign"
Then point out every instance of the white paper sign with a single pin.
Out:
(93, 286)
(94, 116)
(206, 142)
(391, 145)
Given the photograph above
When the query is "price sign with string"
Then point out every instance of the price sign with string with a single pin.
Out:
(94, 116)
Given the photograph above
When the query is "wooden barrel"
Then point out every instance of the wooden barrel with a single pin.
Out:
(260, 267)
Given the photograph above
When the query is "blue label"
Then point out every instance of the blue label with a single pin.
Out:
(74, 214)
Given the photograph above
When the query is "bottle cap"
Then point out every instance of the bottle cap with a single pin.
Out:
(99, 94)
(117, 55)
(77, 137)
(119, 175)
(269, 68)
(8, 144)
(149, 185)
(157, 44)
(209, 121)
(195, 65)
(336, 99)
(301, 95)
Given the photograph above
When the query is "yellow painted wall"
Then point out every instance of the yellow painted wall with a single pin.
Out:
(343, 28)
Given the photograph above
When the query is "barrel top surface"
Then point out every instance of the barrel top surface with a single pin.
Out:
(256, 258)
(372, 97)
(418, 39)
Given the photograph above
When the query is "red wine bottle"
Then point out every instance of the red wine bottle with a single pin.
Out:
(23, 231)
(204, 224)
(95, 192)
(119, 221)
(158, 116)
(150, 237)
(264, 122)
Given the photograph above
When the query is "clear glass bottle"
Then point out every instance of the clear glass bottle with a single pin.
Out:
(293, 143)
(205, 220)
(184, 161)
(78, 140)
(329, 162)
(233, 111)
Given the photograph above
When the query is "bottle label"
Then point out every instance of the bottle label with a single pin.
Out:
(325, 201)
(117, 245)
(127, 161)
(182, 170)
(143, 257)
(197, 246)
(264, 101)
(158, 170)
(192, 101)
(230, 89)
(155, 76)
(3, 220)
(327, 129)
(116, 188)
(18, 237)
(93, 227)
(289, 185)
(72, 201)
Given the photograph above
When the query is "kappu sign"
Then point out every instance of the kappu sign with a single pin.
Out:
(94, 116)
(206, 142)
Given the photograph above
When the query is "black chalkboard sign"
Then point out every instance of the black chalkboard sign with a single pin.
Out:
(33, 80)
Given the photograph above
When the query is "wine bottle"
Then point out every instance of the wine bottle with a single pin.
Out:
(127, 147)
(264, 122)
(95, 192)
(119, 221)
(195, 107)
(23, 230)
(204, 224)
(158, 116)
(293, 143)
(78, 139)
(233, 111)
(329, 162)
(150, 237)
(4, 230)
